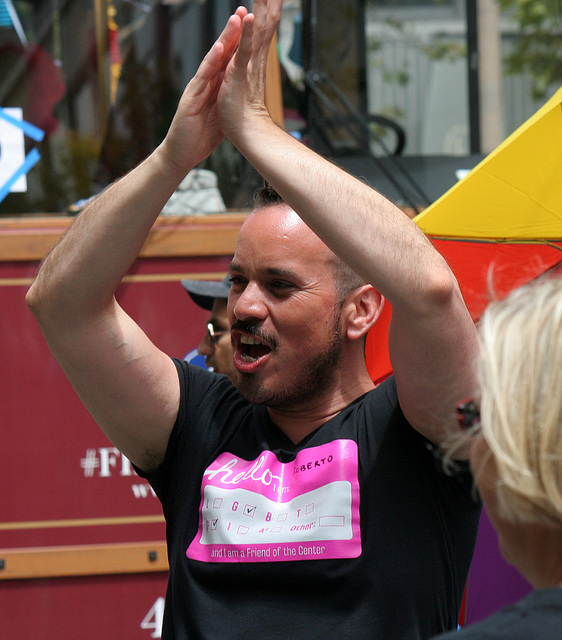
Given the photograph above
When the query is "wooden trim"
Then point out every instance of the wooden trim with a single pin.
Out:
(83, 560)
(30, 239)
(273, 86)
(79, 522)
(145, 277)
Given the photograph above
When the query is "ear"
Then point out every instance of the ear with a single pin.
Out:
(361, 309)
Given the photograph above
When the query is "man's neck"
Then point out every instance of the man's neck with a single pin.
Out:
(297, 422)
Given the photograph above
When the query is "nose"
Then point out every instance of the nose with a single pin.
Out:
(249, 303)
(205, 347)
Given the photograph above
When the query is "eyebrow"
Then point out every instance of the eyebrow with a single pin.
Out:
(270, 271)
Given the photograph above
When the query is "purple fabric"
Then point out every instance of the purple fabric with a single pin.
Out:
(492, 583)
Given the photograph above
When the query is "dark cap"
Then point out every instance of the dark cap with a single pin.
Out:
(203, 292)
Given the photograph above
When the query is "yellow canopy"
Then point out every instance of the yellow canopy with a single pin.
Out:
(515, 193)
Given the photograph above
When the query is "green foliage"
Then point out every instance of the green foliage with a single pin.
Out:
(443, 49)
(537, 49)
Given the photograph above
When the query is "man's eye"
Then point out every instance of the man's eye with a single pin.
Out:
(236, 280)
(281, 285)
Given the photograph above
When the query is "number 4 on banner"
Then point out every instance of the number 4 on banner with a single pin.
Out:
(154, 618)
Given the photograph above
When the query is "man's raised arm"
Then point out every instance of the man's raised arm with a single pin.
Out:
(432, 337)
(129, 386)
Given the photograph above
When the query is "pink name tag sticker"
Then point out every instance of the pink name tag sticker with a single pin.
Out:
(264, 510)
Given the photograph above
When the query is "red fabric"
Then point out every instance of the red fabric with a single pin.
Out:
(485, 270)
(376, 349)
(488, 270)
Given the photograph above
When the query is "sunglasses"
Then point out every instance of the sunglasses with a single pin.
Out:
(468, 414)
(213, 334)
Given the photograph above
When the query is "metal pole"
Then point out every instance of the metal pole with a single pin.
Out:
(473, 75)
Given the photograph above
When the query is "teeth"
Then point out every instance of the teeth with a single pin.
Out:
(244, 339)
(249, 359)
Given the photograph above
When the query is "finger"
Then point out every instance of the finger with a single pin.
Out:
(208, 68)
(260, 23)
(202, 76)
(274, 8)
(244, 52)
(231, 34)
(268, 16)
(241, 11)
(233, 42)
(220, 53)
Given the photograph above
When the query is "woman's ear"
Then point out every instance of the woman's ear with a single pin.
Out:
(362, 307)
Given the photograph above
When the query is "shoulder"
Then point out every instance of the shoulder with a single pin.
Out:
(388, 433)
(376, 421)
(381, 411)
(210, 410)
(383, 398)
(206, 398)
(198, 384)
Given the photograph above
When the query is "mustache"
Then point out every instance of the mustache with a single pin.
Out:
(252, 329)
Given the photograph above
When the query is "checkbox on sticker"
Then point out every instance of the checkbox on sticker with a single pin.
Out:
(331, 521)
(250, 510)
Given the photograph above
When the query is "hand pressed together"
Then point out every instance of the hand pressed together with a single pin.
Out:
(227, 91)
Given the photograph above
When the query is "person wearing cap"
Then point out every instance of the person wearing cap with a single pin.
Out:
(215, 346)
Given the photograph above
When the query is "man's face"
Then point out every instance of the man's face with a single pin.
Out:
(283, 311)
(218, 352)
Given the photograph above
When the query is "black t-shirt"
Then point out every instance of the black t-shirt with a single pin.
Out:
(538, 616)
(354, 532)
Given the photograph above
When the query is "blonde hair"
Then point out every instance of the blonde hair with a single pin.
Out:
(521, 399)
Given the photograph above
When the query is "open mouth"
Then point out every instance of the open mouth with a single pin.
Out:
(251, 349)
